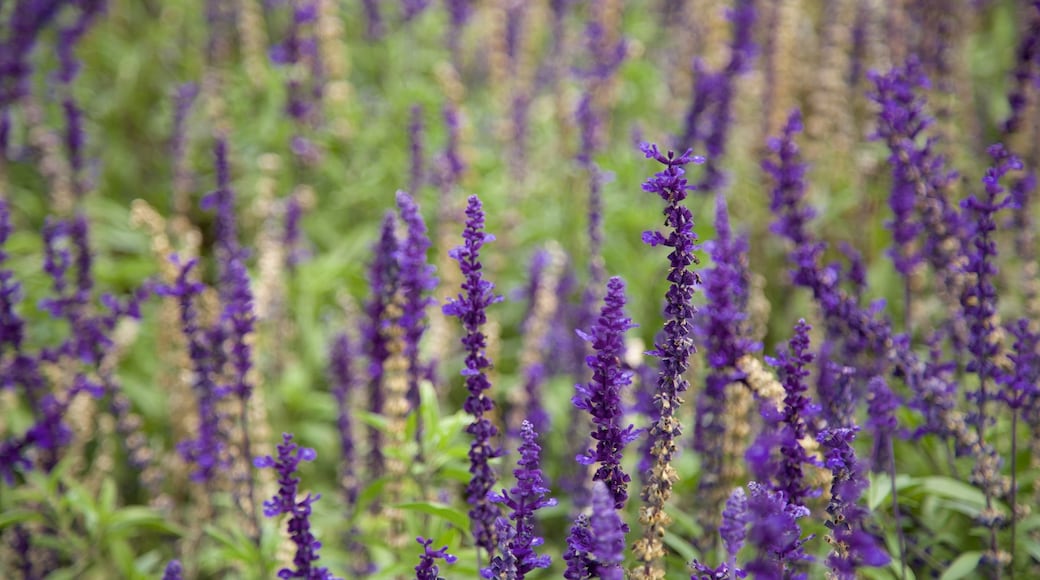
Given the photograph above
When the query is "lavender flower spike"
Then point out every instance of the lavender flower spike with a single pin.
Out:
(793, 365)
(417, 282)
(602, 396)
(427, 568)
(471, 308)
(524, 499)
(774, 533)
(608, 534)
(673, 349)
(853, 546)
(284, 502)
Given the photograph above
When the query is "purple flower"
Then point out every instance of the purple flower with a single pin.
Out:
(471, 308)
(411, 9)
(503, 566)
(882, 404)
(580, 565)
(601, 397)
(979, 299)
(344, 381)
(1021, 384)
(901, 122)
(674, 346)
(713, 95)
(207, 450)
(427, 568)
(173, 571)
(374, 20)
(793, 366)
(607, 531)
(417, 281)
(284, 502)
(449, 168)
(774, 533)
(1025, 74)
(528, 496)
(726, 335)
(295, 252)
(12, 327)
(733, 528)
(415, 142)
(383, 281)
(854, 547)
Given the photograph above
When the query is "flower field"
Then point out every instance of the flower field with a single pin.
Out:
(706, 289)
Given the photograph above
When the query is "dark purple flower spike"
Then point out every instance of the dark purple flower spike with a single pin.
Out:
(471, 308)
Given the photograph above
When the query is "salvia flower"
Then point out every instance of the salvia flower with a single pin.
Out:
(733, 531)
(1025, 73)
(774, 532)
(580, 564)
(979, 301)
(674, 347)
(854, 547)
(793, 365)
(417, 281)
(427, 568)
(383, 281)
(528, 496)
(207, 449)
(416, 131)
(608, 534)
(1021, 385)
(726, 334)
(504, 565)
(601, 397)
(285, 502)
(342, 376)
(471, 308)
(173, 571)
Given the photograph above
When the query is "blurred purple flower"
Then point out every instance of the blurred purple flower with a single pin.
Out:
(417, 282)
(173, 571)
(344, 382)
(383, 281)
(607, 531)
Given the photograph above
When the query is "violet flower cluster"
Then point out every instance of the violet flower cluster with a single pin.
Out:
(710, 115)
(601, 397)
(417, 282)
(523, 500)
(854, 546)
(285, 502)
(470, 307)
(596, 543)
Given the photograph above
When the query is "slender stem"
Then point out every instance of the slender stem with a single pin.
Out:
(248, 452)
(908, 324)
(1013, 494)
(895, 508)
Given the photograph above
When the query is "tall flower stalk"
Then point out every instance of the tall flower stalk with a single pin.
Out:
(601, 397)
(289, 458)
(528, 496)
(470, 307)
(673, 349)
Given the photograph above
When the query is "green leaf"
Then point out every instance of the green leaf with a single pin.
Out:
(141, 518)
(681, 546)
(952, 489)
(446, 512)
(965, 564)
(19, 516)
